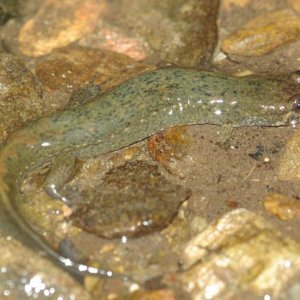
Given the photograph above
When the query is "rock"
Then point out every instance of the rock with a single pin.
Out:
(295, 4)
(112, 39)
(57, 24)
(169, 145)
(264, 34)
(162, 294)
(187, 31)
(231, 254)
(135, 199)
(20, 95)
(71, 68)
(26, 275)
(283, 207)
(289, 164)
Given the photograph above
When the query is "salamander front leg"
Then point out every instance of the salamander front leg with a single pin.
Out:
(62, 170)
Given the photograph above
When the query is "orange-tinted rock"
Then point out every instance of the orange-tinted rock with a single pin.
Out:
(263, 34)
(57, 24)
(168, 144)
(295, 4)
(231, 3)
(285, 208)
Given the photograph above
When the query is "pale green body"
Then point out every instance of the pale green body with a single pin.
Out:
(131, 112)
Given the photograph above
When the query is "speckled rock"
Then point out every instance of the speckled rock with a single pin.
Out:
(134, 199)
(72, 67)
(289, 165)
(20, 95)
(285, 208)
(263, 34)
(57, 24)
(231, 254)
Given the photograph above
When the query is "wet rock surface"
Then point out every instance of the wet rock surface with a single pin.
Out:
(20, 95)
(136, 200)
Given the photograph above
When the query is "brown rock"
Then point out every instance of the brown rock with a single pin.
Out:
(57, 24)
(134, 200)
(20, 95)
(283, 207)
(263, 34)
(72, 67)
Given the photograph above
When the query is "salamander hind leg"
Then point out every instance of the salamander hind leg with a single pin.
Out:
(62, 170)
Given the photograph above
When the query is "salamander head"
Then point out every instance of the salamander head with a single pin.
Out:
(280, 105)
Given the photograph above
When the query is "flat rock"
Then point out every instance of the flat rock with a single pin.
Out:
(135, 199)
(264, 34)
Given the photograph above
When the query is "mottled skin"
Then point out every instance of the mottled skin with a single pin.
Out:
(133, 111)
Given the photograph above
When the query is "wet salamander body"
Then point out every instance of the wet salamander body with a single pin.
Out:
(133, 111)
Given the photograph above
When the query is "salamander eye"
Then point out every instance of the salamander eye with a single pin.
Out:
(295, 76)
(295, 102)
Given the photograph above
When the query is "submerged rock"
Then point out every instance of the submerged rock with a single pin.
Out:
(135, 199)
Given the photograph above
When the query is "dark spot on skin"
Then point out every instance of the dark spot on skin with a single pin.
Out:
(295, 99)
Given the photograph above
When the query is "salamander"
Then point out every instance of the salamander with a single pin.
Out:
(133, 111)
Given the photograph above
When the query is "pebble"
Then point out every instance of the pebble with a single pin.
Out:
(134, 200)
(57, 24)
(231, 253)
(285, 208)
(264, 34)
(289, 164)
(70, 68)
(169, 145)
(20, 95)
